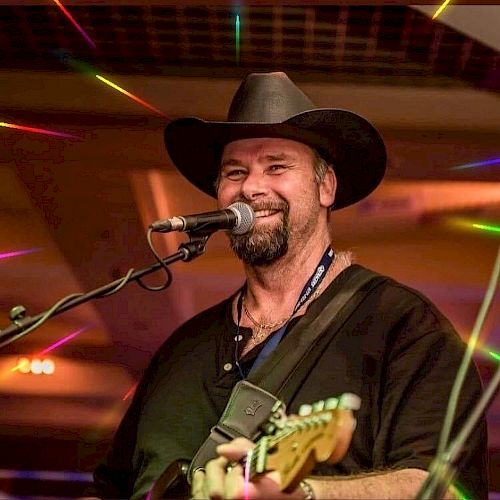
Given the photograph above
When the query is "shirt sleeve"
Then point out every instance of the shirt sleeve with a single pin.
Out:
(421, 365)
(115, 476)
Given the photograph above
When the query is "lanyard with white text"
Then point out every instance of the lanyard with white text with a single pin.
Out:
(313, 283)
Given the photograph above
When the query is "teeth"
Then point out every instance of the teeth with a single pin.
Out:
(264, 213)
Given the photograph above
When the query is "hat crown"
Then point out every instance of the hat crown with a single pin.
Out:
(267, 98)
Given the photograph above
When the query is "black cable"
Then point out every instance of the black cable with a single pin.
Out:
(163, 265)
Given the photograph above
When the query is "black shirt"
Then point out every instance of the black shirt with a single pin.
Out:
(397, 352)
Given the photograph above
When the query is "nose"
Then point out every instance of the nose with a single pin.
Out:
(254, 186)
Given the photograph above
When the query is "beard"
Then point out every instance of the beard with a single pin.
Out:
(262, 246)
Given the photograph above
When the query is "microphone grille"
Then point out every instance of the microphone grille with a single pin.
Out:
(246, 217)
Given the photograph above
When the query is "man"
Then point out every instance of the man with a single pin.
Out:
(293, 164)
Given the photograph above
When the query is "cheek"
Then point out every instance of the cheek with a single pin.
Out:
(227, 193)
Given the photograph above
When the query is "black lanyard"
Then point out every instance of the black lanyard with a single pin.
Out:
(275, 338)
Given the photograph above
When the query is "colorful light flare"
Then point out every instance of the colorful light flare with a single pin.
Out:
(485, 163)
(441, 8)
(237, 38)
(75, 24)
(8, 255)
(62, 341)
(471, 225)
(132, 96)
(38, 130)
(494, 355)
(130, 392)
(21, 365)
(486, 227)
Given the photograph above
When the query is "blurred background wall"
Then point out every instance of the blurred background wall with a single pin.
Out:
(73, 210)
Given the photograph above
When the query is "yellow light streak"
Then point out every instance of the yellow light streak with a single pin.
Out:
(446, 2)
(132, 96)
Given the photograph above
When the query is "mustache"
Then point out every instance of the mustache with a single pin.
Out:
(268, 205)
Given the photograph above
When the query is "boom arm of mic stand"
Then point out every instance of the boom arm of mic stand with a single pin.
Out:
(19, 328)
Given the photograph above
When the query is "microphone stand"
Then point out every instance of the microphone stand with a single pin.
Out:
(443, 469)
(21, 323)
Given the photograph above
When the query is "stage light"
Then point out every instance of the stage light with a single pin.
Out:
(128, 94)
(494, 355)
(446, 2)
(36, 366)
(48, 366)
(24, 365)
(75, 24)
(36, 130)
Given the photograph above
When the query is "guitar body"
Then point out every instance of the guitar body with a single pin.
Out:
(172, 483)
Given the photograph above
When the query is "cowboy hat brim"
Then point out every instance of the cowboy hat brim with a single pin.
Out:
(344, 139)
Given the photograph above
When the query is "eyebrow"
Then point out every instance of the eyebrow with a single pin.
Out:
(268, 157)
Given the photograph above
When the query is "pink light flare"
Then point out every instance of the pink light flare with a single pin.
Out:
(130, 392)
(246, 475)
(75, 24)
(38, 130)
(63, 341)
(54, 346)
(7, 255)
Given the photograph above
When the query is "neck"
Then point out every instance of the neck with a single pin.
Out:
(273, 290)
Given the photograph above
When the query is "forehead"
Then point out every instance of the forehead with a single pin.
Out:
(261, 148)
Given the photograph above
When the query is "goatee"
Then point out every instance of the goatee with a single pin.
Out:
(263, 245)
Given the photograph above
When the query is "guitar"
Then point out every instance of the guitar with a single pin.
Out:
(292, 445)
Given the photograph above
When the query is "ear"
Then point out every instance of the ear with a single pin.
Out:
(327, 188)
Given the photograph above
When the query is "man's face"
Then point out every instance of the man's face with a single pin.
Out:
(276, 178)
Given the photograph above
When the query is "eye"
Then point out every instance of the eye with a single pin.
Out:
(276, 168)
(234, 174)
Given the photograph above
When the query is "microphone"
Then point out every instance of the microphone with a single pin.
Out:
(238, 217)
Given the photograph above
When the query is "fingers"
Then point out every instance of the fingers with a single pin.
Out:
(215, 478)
(234, 484)
(198, 486)
(236, 449)
(219, 480)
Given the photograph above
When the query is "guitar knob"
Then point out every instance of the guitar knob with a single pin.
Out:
(349, 401)
(318, 406)
(305, 410)
(331, 403)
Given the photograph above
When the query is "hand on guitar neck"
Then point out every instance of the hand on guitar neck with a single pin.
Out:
(278, 462)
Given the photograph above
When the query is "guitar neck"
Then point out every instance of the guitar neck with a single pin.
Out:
(302, 442)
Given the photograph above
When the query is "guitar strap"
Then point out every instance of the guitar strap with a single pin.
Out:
(283, 372)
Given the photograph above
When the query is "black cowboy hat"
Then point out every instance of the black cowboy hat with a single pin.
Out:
(270, 105)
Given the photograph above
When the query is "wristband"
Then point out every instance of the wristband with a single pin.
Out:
(307, 490)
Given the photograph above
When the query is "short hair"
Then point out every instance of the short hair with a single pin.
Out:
(320, 166)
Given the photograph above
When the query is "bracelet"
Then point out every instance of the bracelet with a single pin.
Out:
(308, 491)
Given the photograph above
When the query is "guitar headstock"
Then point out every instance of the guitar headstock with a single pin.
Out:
(321, 432)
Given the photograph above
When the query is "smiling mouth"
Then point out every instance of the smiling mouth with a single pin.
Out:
(259, 214)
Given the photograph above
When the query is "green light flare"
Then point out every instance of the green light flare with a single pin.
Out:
(459, 491)
(494, 355)
(486, 227)
(237, 39)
